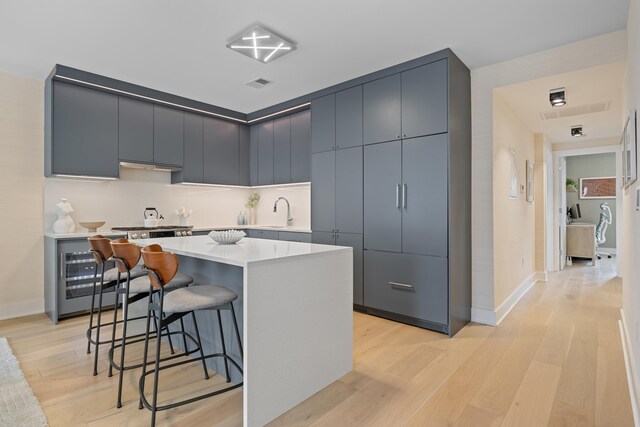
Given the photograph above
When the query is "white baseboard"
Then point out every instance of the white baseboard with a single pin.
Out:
(494, 317)
(22, 308)
(629, 361)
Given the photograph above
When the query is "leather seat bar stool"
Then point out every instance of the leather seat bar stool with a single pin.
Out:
(100, 247)
(126, 256)
(163, 267)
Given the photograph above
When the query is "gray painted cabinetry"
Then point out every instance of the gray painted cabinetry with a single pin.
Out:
(265, 153)
(323, 124)
(282, 150)
(193, 168)
(135, 130)
(168, 136)
(382, 109)
(301, 146)
(221, 151)
(84, 125)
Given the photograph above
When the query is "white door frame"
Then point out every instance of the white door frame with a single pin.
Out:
(557, 197)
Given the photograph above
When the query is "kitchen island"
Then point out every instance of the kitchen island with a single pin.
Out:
(294, 310)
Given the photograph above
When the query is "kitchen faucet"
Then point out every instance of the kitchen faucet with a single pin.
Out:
(275, 209)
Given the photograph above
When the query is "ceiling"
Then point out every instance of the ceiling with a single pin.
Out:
(602, 84)
(179, 46)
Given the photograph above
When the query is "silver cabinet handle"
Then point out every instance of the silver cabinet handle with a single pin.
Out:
(401, 285)
(404, 195)
(62, 266)
(398, 196)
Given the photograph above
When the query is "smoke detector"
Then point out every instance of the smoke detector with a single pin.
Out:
(259, 83)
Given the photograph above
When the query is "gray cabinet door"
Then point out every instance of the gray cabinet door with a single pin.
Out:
(291, 236)
(253, 155)
(221, 151)
(282, 150)
(382, 109)
(406, 284)
(323, 237)
(348, 188)
(349, 118)
(424, 100)
(382, 191)
(301, 146)
(135, 130)
(193, 168)
(323, 191)
(425, 204)
(323, 124)
(244, 159)
(354, 241)
(168, 136)
(265, 153)
(85, 132)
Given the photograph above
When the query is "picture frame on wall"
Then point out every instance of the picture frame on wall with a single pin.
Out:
(513, 178)
(530, 172)
(598, 188)
(629, 146)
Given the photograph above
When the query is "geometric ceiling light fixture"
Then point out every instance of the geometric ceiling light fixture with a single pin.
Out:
(557, 97)
(262, 45)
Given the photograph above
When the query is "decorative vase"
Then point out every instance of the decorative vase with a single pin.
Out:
(183, 221)
(65, 223)
(252, 216)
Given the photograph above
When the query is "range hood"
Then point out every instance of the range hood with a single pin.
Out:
(150, 167)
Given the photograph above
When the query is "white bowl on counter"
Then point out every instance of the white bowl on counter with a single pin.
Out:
(227, 237)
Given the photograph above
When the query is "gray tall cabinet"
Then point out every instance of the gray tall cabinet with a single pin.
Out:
(391, 177)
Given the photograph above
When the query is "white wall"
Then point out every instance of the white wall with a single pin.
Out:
(122, 202)
(600, 50)
(513, 219)
(630, 239)
(543, 157)
(21, 170)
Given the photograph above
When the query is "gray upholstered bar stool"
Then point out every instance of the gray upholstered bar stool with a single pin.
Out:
(102, 252)
(126, 255)
(163, 267)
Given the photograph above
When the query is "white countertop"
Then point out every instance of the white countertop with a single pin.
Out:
(105, 232)
(243, 253)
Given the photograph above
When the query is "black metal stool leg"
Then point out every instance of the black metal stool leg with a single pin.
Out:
(224, 347)
(146, 350)
(195, 326)
(184, 337)
(125, 313)
(93, 303)
(156, 372)
(235, 324)
(95, 360)
(115, 322)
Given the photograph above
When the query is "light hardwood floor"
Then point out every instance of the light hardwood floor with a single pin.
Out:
(555, 360)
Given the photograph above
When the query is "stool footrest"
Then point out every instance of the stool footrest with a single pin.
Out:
(104, 325)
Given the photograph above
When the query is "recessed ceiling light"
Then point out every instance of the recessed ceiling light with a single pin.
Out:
(557, 97)
(262, 45)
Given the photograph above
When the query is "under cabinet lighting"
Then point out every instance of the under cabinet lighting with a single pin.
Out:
(286, 110)
(261, 44)
(84, 177)
(200, 184)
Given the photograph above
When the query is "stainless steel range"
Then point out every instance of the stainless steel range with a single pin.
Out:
(154, 232)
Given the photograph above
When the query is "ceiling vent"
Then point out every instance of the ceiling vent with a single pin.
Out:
(259, 83)
(579, 110)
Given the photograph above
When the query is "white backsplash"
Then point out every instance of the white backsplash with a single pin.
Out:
(122, 202)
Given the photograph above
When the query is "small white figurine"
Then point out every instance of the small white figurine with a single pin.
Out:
(65, 223)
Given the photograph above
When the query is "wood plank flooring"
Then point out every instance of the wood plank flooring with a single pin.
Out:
(555, 360)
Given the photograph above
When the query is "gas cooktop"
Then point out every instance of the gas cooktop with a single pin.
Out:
(159, 228)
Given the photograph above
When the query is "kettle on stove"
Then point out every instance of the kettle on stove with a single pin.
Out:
(152, 218)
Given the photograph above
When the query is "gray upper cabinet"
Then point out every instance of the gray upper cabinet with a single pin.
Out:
(265, 153)
(221, 151)
(323, 124)
(425, 100)
(382, 194)
(253, 155)
(348, 190)
(282, 150)
(349, 118)
(244, 148)
(135, 130)
(323, 191)
(168, 136)
(82, 132)
(382, 110)
(425, 207)
(301, 146)
(193, 169)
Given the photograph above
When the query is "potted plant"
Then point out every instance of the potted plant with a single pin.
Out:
(572, 185)
(252, 202)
